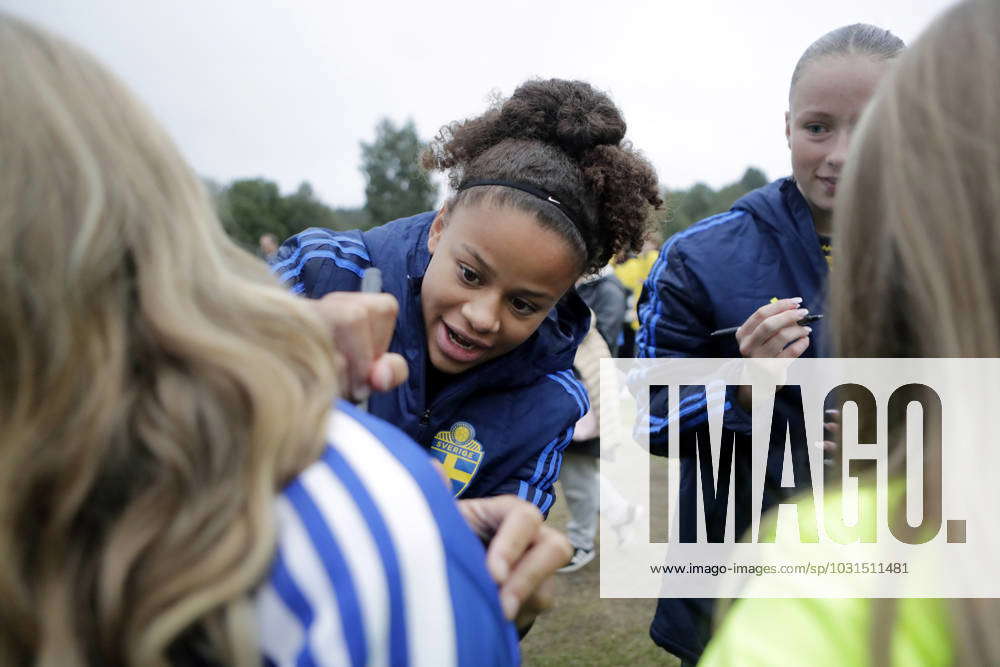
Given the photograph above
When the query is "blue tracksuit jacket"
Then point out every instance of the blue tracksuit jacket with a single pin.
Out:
(500, 427)
(714, 275)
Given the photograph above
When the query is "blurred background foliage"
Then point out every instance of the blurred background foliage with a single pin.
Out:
(396, 186)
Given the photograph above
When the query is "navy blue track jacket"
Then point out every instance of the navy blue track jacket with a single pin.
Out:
(714, 275)
(500, 427)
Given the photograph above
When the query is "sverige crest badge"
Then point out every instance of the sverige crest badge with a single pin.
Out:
(459, 453)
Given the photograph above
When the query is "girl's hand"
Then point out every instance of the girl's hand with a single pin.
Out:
(522, 553)
(361, 325)
(773, 331)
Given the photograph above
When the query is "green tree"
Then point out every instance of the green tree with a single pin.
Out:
(354, 218)
(396, 185)
(301, 210)
(686, 207)
(249, 208)
(752, 179)
(697, 202)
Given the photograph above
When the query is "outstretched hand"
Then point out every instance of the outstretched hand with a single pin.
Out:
(522, 553)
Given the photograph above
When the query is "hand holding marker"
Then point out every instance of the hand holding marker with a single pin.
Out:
(361, 324)
(778, 340)
(732, 330)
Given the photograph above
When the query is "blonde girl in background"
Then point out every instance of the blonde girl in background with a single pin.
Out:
(762, 267)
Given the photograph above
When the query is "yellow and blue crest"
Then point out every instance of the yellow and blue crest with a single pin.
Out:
(459, 453)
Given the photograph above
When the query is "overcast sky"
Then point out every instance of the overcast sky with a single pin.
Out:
(287, 90)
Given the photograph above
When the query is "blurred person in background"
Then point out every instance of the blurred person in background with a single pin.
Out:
(268, 244)
(580, 478)
(631, 272)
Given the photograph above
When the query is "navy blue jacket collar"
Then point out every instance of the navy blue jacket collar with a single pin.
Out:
(782, 207)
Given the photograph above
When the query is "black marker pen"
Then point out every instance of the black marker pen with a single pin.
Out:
(731, 330)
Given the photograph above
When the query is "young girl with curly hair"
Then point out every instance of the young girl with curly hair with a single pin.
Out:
(545, 189)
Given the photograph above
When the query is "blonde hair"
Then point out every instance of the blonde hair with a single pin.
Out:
(918, 226)
(157, 386)
(918, 213)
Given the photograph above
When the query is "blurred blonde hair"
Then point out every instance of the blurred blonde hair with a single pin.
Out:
(918, 212)
(918, 227)
(157, 386)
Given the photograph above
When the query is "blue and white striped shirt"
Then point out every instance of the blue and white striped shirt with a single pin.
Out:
(374, 565)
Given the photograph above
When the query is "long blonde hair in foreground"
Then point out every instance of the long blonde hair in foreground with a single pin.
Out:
(918, 228)
(156, 384)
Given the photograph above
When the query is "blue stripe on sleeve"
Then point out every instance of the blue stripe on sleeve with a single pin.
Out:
(294, 272)
(547, 504)
(341, 237)
(684, 412)
(703, 417)
(555, 460)
(336, 569)
(576, 385)
(658, 422)
(694, 401)
(398, 652)
(663, 421)
(646, 338)
(558, 379)
(572, 390)
(542, 458)
(286, 588)
(650, 304)
(522, 490)
(690, 398)
(321, 241)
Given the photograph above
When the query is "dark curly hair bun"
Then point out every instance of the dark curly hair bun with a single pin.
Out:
(560, 137)
(569, 114)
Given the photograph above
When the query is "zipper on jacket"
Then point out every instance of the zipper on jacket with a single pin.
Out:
(448, 396)
(425, 420)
